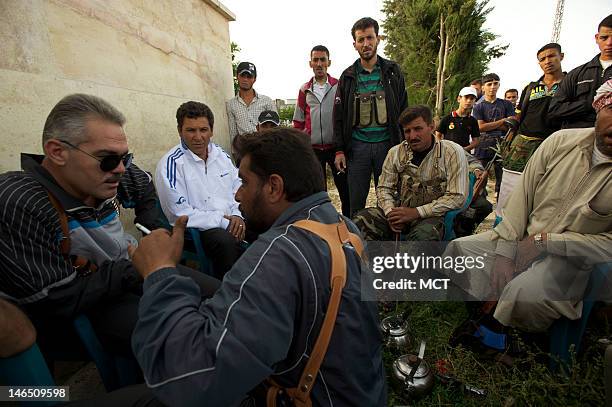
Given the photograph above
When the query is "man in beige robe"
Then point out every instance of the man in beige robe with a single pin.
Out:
(557, 225)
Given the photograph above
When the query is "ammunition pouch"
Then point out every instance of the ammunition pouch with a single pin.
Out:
(417, 193)
(370, 109)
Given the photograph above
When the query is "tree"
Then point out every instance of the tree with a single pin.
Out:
(235, 49)
(441, 46)
(286, 114)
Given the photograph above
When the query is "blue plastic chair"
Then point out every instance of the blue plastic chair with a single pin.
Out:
(498, 220)
(116, 371)
(565, 333)
(27, 368)
(192, 238)
(449, 217)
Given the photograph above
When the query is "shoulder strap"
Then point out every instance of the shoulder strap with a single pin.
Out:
(65, 242)
(335, 235)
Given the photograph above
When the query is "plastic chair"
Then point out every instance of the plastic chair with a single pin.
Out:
(566, 332)
(27, 368)
(116, 371)
(498, 219)
(449, 217)
(192, 249)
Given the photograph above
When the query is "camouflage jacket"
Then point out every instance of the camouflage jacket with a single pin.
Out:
(440, 184)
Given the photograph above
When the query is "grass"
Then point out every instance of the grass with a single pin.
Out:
(527, 383)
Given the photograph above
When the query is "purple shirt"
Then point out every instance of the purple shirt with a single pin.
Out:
(490, 112)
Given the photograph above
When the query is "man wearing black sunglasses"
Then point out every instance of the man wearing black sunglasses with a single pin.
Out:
(243, 110)
(65, 252)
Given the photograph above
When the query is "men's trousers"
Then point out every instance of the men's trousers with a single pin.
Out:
(364, 160)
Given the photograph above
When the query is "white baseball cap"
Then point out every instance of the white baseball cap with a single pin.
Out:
(468, 90)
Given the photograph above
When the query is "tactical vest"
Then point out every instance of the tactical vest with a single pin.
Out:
(412, 191)
(370, 109)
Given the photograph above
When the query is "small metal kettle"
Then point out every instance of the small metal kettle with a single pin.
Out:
(395, 330)
(412, 375)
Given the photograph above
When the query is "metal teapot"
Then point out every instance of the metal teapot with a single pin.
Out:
(412, 375)
(395, 330)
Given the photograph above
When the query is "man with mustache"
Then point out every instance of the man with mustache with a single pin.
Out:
(65, 252)
(422, 179)
(557, 225)
(196, 178)
(571, 105)
(314, 113)
(266, 316)
(371, 95)
(535, 125)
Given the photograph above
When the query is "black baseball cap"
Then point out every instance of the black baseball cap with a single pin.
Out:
(246, 67)
(269, 116)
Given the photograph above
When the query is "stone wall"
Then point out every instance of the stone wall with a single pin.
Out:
(145, 57)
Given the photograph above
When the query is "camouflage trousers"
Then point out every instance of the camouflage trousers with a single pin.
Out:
(373, 225)
(521, 150)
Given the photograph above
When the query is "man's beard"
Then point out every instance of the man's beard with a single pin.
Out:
(256, 220)
(373, 54)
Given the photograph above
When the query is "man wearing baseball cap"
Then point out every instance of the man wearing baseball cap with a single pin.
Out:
(460, 126)
(268, 119)
(243, 109)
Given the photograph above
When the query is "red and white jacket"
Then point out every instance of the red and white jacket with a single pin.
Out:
(316, 117)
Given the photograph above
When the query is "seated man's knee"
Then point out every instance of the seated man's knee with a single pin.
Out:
(427, 230)
(372, 223)
(16, 331)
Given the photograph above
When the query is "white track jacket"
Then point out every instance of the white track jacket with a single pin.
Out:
(202, 190)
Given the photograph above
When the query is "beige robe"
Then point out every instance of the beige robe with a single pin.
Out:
(561, 194)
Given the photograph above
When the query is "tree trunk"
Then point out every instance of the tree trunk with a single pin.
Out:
(440, 72)
(443, 77)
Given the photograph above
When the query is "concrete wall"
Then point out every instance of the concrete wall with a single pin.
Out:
(145, 57)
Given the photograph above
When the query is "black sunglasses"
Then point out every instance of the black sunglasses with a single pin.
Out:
(108, 162)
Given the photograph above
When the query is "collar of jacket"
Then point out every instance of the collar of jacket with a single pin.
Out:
(31, 163)
(330, 79)
(213, 152)
(594, 63)
(292, 213)
(382, 62)
(435, 149)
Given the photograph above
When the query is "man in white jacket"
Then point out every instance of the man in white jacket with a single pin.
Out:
(198, 179)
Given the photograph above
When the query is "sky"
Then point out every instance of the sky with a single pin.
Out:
(277, 36)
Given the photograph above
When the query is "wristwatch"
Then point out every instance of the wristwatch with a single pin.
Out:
(539, 241)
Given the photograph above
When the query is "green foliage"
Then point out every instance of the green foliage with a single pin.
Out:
(286, 115)
(235, 49)
(413, 40)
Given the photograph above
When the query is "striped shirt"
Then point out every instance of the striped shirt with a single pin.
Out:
(446, 160)
(31, 260)
(368, 82)
(243, 118)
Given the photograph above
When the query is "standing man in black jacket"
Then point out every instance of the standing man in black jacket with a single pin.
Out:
(571, 105)
(370, 97)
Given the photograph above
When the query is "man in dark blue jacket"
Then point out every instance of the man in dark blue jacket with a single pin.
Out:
(266, 316)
